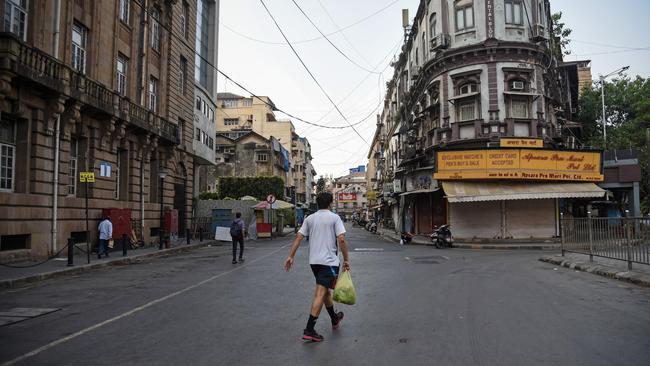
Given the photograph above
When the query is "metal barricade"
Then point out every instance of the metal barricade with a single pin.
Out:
(620, 238)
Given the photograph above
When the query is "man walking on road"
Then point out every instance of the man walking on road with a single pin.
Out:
(326, 234)
(105, 234)
(237, 234)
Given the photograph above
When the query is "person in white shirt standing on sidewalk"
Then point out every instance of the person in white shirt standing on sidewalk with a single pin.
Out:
(105, 234)
(326, 235)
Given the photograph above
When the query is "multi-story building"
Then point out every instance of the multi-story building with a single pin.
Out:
(474, 127)
(249, 155)
(349, 193)
(302, 170)
(238, 115)
(205, 92)
(93, 86)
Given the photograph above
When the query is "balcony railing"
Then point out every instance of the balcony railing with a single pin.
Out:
(41, 68)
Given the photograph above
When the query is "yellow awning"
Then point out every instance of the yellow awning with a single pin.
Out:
(504, 191)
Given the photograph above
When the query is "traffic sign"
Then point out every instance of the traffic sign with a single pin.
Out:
(87, 177)
(270, 199)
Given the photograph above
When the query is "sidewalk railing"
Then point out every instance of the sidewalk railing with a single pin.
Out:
(626, 239)
(201, 227)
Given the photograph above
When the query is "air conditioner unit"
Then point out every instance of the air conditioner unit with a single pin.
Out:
(517, 85)
(539, 33)
(439, 42)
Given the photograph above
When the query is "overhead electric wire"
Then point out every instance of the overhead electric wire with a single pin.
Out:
(316, 38)
(608, 45)
(253, 95)
(330, 41)
(310, 73)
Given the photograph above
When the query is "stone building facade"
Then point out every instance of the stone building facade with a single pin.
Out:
(476, 76)
(105, 87)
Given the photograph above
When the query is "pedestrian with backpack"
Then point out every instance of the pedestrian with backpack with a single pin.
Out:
(237, 233)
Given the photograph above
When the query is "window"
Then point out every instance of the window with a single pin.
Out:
(183, 75)
(464, 15)
(210, 142)
(424, 47)
(433, 22)
(7, 155)
(205, 34)
(124, 10)
(153, 89)
(155, 30)
(467, 88)
(519, 107)
(247, 102)
(198, 134)
(541, 15)
(122, 67)
(72, 168)
(466, 110)
(522, 129)
(262, 157)
(514, 12)
(467, 132)
(185, 16)
(229, 103)
(198, 103)
(231, 121)
(16, 17)
(79, 41)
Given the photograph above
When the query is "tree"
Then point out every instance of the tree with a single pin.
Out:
(627, 107)
(320, 185)
(561, 33)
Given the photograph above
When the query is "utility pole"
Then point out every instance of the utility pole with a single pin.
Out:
(602, 100)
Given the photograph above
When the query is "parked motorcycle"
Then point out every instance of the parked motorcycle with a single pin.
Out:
(441, 237)
(373, 227)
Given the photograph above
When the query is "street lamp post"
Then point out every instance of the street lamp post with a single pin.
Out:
(161, 231)
(602, 100)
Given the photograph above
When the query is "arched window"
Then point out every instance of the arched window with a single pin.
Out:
(467, 88)
(433, 22)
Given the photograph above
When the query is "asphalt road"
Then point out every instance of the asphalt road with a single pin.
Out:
(416, 306)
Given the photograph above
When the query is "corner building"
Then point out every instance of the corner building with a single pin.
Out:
(94, 86)
(478, 99)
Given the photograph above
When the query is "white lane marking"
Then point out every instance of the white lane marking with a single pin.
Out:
(368, 249)
(133, 311)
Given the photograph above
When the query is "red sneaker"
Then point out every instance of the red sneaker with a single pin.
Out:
(311, 335)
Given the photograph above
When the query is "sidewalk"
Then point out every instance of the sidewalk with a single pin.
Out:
(611, 268)
(424, 240)
(11, 277)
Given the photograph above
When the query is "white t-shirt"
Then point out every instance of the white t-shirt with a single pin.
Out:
(323, 227)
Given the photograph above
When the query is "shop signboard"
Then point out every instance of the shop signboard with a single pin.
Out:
(519, 164)
(347, 197)
(530, 143)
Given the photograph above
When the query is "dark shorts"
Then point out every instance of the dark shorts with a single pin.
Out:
(325, 275)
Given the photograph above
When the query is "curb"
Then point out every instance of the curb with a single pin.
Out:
(633, 277)
(89, 267)
(548, 246)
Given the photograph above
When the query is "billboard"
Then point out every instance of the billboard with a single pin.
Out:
(347, 197)
(519, 164)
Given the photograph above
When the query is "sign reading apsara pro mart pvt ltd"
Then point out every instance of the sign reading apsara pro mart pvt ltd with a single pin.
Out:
(522, 164)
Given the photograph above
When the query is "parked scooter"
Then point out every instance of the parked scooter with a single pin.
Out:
(373, 227)
(441, 237)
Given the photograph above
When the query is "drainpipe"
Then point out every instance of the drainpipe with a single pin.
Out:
(142, 197)
(57, 132)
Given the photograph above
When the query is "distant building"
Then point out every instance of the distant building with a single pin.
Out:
(350, 195)
(250, 155)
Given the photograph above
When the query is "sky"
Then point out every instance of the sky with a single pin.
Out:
(253, 52)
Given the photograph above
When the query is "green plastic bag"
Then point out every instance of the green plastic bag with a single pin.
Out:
(344, 290)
